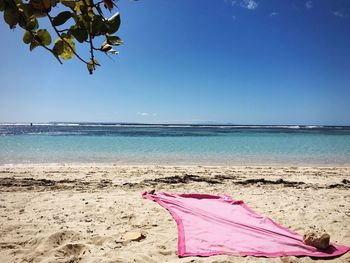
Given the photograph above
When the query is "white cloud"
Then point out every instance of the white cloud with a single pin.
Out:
(309, 4)
(339, 14)
(147, 114)
(247, 4)
(143, 113)
(273, 13)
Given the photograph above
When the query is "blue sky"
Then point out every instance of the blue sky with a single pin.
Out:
(193, 61)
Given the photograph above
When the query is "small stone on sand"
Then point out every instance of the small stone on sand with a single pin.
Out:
(317, 238)
(133, 236)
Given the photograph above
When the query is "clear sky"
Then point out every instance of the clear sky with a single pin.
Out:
(193, 61)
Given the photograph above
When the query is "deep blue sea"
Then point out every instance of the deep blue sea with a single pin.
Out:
(174, 144)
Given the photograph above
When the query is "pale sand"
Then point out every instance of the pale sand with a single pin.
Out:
(80, 212)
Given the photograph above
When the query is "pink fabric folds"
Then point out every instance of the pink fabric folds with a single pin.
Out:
(216, 224)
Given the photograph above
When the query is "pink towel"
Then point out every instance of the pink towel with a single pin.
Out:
(212, 225)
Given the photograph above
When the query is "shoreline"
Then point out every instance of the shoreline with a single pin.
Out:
(172, 164)
(80, 213)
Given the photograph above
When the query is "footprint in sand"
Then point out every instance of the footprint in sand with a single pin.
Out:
(59, 238)
(70, 251)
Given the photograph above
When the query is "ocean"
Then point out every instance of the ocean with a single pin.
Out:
(174, 144)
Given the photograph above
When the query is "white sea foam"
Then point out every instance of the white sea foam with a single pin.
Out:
(14, 124)
(313, 126)
(132, 125)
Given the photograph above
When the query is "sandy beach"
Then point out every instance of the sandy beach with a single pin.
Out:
(81, 212)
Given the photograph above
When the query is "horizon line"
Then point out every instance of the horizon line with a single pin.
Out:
(170, 124)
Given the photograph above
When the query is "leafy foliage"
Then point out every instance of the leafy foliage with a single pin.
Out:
(78, 20)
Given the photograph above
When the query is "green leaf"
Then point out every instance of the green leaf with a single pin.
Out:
(47, 4)
(22, 22)
(70, 4)
(79, 34)
(27, 37)
(37, 5)
(78, 6)
(81, 22)
(67, 51)
(106, 47)
(98, 27)
(61, 18)
(114, 23)
(33, 44)
(39, 14)
(32, 23)
(44, 36)
(114, 40)
(11, 17)
(58, 48)
(2, 5)
(27, 9)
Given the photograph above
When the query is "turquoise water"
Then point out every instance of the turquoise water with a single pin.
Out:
(175, 145)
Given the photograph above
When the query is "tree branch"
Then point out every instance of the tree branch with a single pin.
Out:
(98, 3)
(99, 11)
(33, 35)
(92, 61)
(48, 49)
(59, 35)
